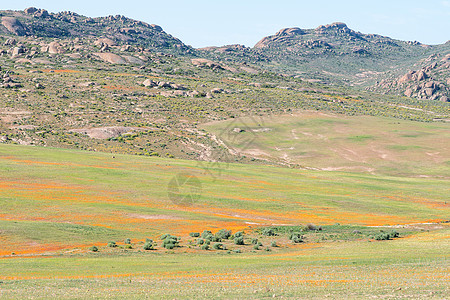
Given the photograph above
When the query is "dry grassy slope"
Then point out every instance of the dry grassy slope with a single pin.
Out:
(332, 142)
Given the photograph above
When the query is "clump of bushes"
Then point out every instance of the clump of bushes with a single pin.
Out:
(386, 235)
(223, 234)
(112, 244)
(170, 241)
(194, 234)
(207, 235)
(218, 246)
(274, 244)
(148, 246)
(239, 240)
(94, 249)
(238, 234)
(268, 231)
(205, 247)
(296, 237)
(127, 241)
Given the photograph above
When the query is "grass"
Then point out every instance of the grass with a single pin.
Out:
(400, 268)
(336, 142)
(57, 204)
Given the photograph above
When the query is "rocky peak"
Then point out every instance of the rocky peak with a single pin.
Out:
(289, 31)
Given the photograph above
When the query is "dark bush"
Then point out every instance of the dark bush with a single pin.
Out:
(205, 247)
(94, 249)
(194, 234)
(254, 241)
(148, 246)
(223, 234)
(239, 240)
(170, 242)
(383, 236)
(238, 234)
(218, 246)
(112, 244)
(206, 234)
(127, 241)
(268, 231)
(296, 237)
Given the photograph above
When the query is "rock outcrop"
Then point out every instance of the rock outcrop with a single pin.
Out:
(14, 26)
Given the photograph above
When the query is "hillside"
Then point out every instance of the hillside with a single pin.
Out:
(336, 54)
(92, 90)
(111, 30)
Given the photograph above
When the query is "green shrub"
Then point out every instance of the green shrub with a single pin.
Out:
(237, 251)
(169, 246)
(268, 231)
(238, 234)
(127, 241)
(170, 241)
(268, 249)
(128, 246)
(194, 234)
(205, 247)
(296, 237)
(94, 249)
(254, 241)
(148, 240)
(218, 246)
(239, 240)
(383, 236)
(273, 244)
(206, 234)
(216, 239)
(148, 246)
(112, 244)
(166, 235)
(256, 247)
(200, 242)
(223, 234)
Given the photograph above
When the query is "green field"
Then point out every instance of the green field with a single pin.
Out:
(56, 204)
(328, 141)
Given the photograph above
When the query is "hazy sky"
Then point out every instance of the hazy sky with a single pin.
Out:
(213, 23)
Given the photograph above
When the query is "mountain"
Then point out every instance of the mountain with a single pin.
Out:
(39, 23)
(336, 54)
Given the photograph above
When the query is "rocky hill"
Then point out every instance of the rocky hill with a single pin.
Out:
(336, 54)
(330, 54)
(114, 30)
(430, 80)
